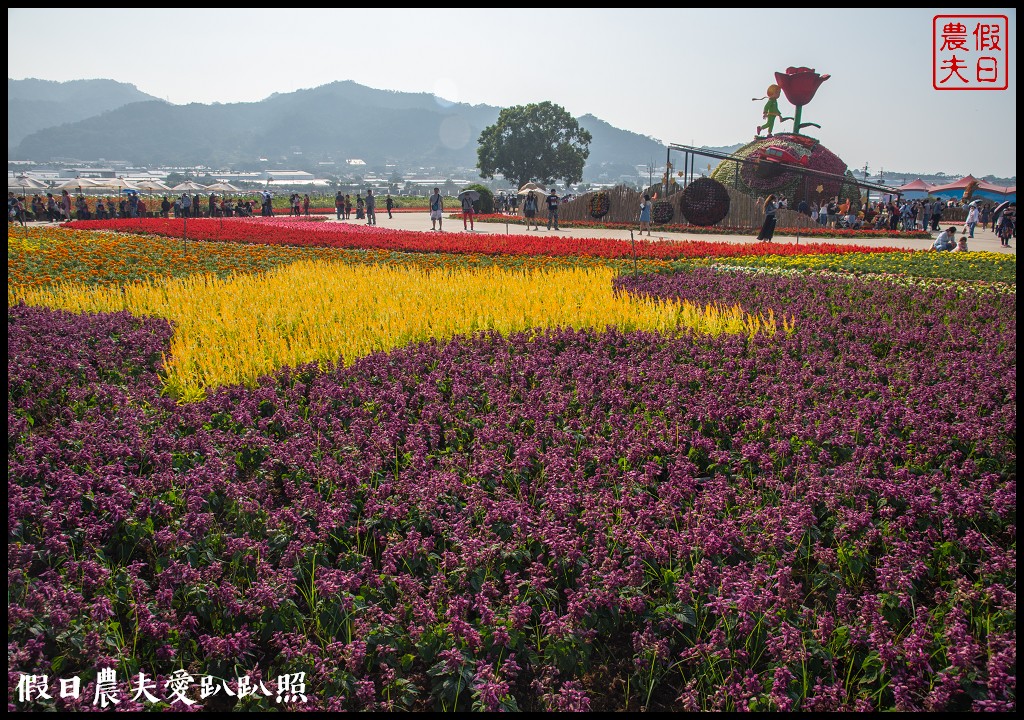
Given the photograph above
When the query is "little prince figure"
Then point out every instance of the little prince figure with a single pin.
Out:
(771, 110)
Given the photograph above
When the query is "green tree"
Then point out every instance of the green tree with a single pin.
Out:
(540, 142)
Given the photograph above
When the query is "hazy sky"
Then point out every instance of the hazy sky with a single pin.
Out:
(680, 76)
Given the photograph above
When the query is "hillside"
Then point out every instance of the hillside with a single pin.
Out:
(36, 104)
(331, 123)
(87, 120)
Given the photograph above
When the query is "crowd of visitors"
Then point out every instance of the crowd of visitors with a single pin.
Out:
(506, 203)
(907, 215)
(900, 214)
(57, 210)
(61, 209)
(891, 214)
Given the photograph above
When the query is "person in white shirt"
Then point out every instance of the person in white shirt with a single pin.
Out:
(972, 219)
(946, 240)
(436, 209)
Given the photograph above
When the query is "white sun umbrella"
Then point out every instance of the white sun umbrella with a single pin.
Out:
(188, 186)
(223, 187)
(79, 184)
(153, 186)
(24, 183)
(532, 187)
(114, 183)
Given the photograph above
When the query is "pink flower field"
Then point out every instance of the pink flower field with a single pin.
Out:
(819, 520)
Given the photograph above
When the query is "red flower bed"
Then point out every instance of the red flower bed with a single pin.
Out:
(822, 232)
(296, 232)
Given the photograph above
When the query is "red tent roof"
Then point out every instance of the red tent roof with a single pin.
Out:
(918, 184)
(960, 184)
(982, 185)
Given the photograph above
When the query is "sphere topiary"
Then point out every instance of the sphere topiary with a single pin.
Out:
(828, 178)
(662, 212)
(599, 204)
(704, 202)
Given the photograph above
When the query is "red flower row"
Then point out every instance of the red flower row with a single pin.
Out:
(821, 232)
(300, 233)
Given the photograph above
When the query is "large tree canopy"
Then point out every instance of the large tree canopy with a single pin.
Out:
(538, 142)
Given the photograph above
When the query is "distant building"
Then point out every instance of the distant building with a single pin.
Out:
(280, 175)
(88, 173)
(236, 177)
(291, 177)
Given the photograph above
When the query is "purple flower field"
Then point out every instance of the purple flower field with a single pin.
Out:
(560, 520)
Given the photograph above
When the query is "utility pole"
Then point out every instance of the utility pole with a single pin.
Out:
(867, 191)
(668, 169)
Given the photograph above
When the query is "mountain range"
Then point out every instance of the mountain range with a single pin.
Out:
(33, 105)
(310, 129)
(95, 119)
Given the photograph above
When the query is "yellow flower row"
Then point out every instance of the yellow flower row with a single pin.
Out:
(238, 328)
(973, 266)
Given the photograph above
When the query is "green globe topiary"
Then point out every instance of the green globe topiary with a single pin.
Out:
(807, 171)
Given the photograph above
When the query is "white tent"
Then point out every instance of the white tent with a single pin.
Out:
(532, 187)
(24, 184)
(79, 184)
(188, 186)
(153, 186)
(223, 187)
(114, 183)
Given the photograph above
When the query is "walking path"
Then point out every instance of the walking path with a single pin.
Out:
(420, 221)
